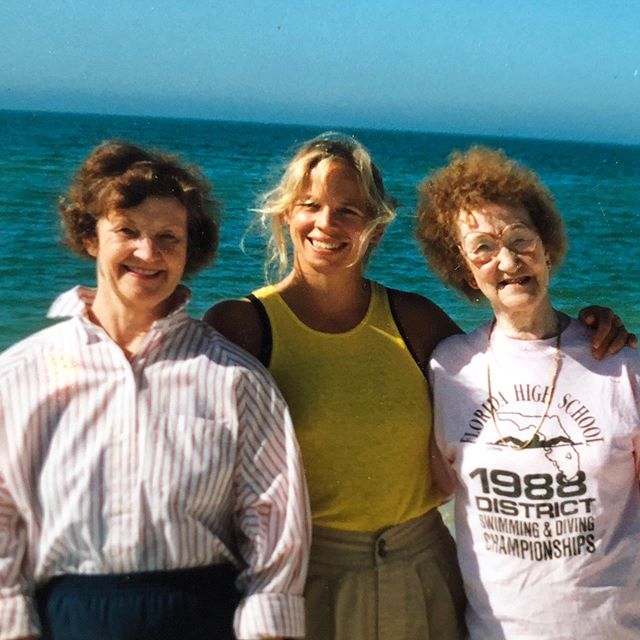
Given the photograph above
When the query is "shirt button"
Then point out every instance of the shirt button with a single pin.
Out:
(382, 547)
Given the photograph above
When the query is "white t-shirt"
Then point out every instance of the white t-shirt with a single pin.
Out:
(548, 536)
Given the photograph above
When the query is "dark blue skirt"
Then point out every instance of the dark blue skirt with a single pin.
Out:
(187, 604)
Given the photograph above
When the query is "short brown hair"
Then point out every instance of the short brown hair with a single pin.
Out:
(121, 175)
(471, 180)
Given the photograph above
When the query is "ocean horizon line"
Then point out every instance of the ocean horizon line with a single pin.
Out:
(330, 127)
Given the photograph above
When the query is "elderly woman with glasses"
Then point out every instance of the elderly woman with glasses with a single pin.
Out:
(542, 442)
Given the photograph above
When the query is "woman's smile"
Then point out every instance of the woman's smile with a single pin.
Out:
(144, 273)
(326, 245)
(141, 252)
(328, 222)
(520, 281)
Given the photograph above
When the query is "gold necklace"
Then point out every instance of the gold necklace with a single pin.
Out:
(554, 379)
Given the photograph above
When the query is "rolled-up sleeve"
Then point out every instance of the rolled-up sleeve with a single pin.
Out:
(272, 514)
(18, 617)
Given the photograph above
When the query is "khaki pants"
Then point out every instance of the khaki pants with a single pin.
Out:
(402, 583)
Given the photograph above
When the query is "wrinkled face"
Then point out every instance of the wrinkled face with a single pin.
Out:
(328, 220)
(141, 252)
(505, 255)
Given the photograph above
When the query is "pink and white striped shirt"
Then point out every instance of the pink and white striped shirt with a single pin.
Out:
(182, 457)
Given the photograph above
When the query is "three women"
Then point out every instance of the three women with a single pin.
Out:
(350, 357)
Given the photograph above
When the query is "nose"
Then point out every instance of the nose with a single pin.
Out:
(146, 248)
(325, 218)
(508, 260)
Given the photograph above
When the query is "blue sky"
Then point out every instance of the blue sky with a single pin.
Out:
(557, 69)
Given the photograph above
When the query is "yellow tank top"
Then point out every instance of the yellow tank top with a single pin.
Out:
(361, 410)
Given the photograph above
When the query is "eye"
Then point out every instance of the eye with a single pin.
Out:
(308, 205)
(351, 211)
(520, 244)
(481, 246)
(168, 241)
(127, 232)
(521, 240)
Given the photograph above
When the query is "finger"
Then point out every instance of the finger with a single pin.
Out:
(618, 340)
(606, 329)
(587, 315)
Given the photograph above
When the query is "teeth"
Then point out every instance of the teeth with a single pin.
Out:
(504, 283)
(324, 245)
(143, 272)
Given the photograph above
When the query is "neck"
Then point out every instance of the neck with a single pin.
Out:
(529, 324)
(331, 304)
(126, 327)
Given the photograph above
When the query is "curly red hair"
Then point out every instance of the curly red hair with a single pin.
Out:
(472, 180)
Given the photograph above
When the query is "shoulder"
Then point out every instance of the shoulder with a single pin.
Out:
(460, 347)
(28, 352)
(576, 343)
(239, 321)
(221, 353)
(415, 306)
(423, 323)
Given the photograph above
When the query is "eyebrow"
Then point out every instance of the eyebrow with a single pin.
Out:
(123, 218)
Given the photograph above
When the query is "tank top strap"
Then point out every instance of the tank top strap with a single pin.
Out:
(277, 310)
(380, 313)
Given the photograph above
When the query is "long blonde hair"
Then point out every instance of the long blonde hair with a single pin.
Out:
(325, 148)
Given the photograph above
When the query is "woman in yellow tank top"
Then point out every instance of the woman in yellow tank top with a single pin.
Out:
(349, 356)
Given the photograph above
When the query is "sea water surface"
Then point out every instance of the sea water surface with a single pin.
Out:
(597, 188)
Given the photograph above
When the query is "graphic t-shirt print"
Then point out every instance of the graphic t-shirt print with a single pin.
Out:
(540, 510)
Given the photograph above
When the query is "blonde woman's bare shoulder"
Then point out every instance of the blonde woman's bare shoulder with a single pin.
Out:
(423, 323)
(239, 321)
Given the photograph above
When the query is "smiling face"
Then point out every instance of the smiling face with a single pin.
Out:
(516, 279)
(140, 254)
(329, 220)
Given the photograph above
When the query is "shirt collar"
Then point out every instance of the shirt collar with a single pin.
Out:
(75, 302)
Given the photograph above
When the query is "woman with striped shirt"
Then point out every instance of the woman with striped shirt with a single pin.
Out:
(150, 481)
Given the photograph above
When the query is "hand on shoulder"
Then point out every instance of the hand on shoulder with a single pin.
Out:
(609, 333)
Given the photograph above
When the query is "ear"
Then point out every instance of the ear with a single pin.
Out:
(471, 281)
(91, 246)
(376, 236)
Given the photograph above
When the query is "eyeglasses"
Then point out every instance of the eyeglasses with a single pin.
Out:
(481, 247)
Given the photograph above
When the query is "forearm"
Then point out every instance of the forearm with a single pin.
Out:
(273, 520)
(18, 615)
(18, 618)
(275, 549)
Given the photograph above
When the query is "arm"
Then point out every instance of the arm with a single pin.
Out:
(17, 610)
(423, 324)
(441, 472)
(272, 514)
(238, 321)
(609, 335)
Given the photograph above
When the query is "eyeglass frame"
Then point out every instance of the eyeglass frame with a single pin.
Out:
(500, 244)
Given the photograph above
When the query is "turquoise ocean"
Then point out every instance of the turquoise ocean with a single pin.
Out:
(597, 187)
